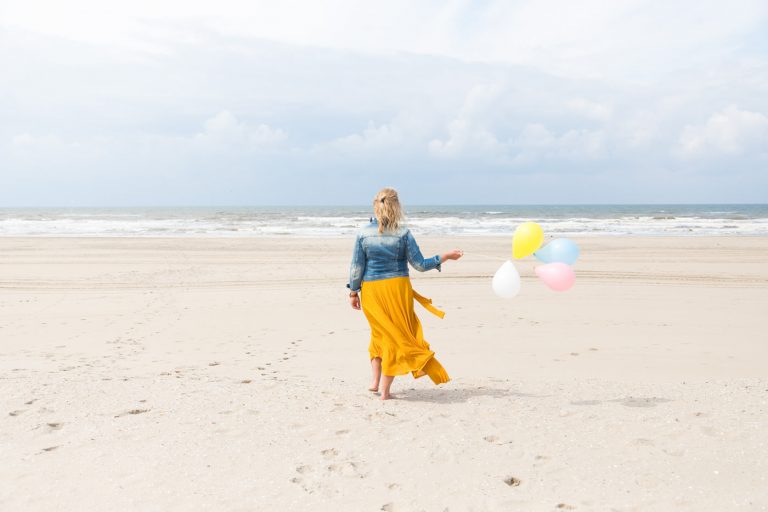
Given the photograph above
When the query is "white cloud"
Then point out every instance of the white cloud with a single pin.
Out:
(403, 133)
(224, 129)
(22, 139)
(537, 142)
(590, 109)
(42, 147)
(384, 136)
(29, 141)
(731, 131)
(637, 130)
(469, 133)
(313, 88)
(588, 38)
(473, 132)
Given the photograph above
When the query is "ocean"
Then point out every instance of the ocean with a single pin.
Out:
(330, 221)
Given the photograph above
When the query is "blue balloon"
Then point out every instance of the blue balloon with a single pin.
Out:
(559, 250)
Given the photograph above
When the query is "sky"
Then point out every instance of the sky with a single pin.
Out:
(163, 103)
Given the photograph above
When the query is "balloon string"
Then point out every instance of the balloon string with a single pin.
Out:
(485, 256)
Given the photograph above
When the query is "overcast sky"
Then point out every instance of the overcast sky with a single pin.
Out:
(324, 102)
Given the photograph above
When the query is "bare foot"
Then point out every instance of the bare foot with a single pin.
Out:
(387, 396)
(374, 389)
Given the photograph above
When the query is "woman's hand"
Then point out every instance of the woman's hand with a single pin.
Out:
(452, 255)
(354, 301)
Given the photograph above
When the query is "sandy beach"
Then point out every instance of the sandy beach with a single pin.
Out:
(154, 374)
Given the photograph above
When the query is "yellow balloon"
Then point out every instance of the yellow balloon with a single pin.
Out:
(528, 238)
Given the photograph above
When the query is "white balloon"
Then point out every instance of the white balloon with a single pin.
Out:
(506, 281)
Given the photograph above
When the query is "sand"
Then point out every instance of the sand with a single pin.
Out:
(231, 374)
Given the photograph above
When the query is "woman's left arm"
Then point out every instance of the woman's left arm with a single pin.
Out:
(416, 259)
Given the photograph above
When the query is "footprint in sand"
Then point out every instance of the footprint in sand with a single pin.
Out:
(641, 401)
(586, 402)
(512, 481)
(565, 506)
(15, 413)
(303, 470)
(50, 448)
(495, 440)
(132, 412)
(300, 480)
(348, 469)
(55, 426)
(329, 453)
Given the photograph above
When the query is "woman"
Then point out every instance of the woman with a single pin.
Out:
(378, 280)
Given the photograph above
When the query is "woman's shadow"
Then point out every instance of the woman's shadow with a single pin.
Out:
(457, 395)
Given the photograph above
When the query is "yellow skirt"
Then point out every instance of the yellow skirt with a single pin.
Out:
(396, 335)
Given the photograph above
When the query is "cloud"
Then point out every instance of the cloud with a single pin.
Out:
(730, 132)
(475, 131)
(537, 142)
(469, 132)
(224, 129)
(404, 133)
(193, 99)
(591, 109)
(589, 38)
(372, 138)
(40, 148)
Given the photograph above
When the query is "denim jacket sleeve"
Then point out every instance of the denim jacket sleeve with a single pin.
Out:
(415, 258)
(357, 268)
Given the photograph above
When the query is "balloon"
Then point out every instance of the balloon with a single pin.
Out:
(558, 276)
(528, 238)
(506, 281)
(559, 249)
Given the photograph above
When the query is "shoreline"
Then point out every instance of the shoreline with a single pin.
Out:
(344, 237)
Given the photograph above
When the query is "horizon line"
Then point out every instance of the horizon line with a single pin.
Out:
(297, 205)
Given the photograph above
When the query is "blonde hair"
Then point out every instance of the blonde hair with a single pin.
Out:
(386, 208)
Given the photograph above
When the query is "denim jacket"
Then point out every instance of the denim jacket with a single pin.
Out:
(384, 255)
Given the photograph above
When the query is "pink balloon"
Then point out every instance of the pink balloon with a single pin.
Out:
(558, 276)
